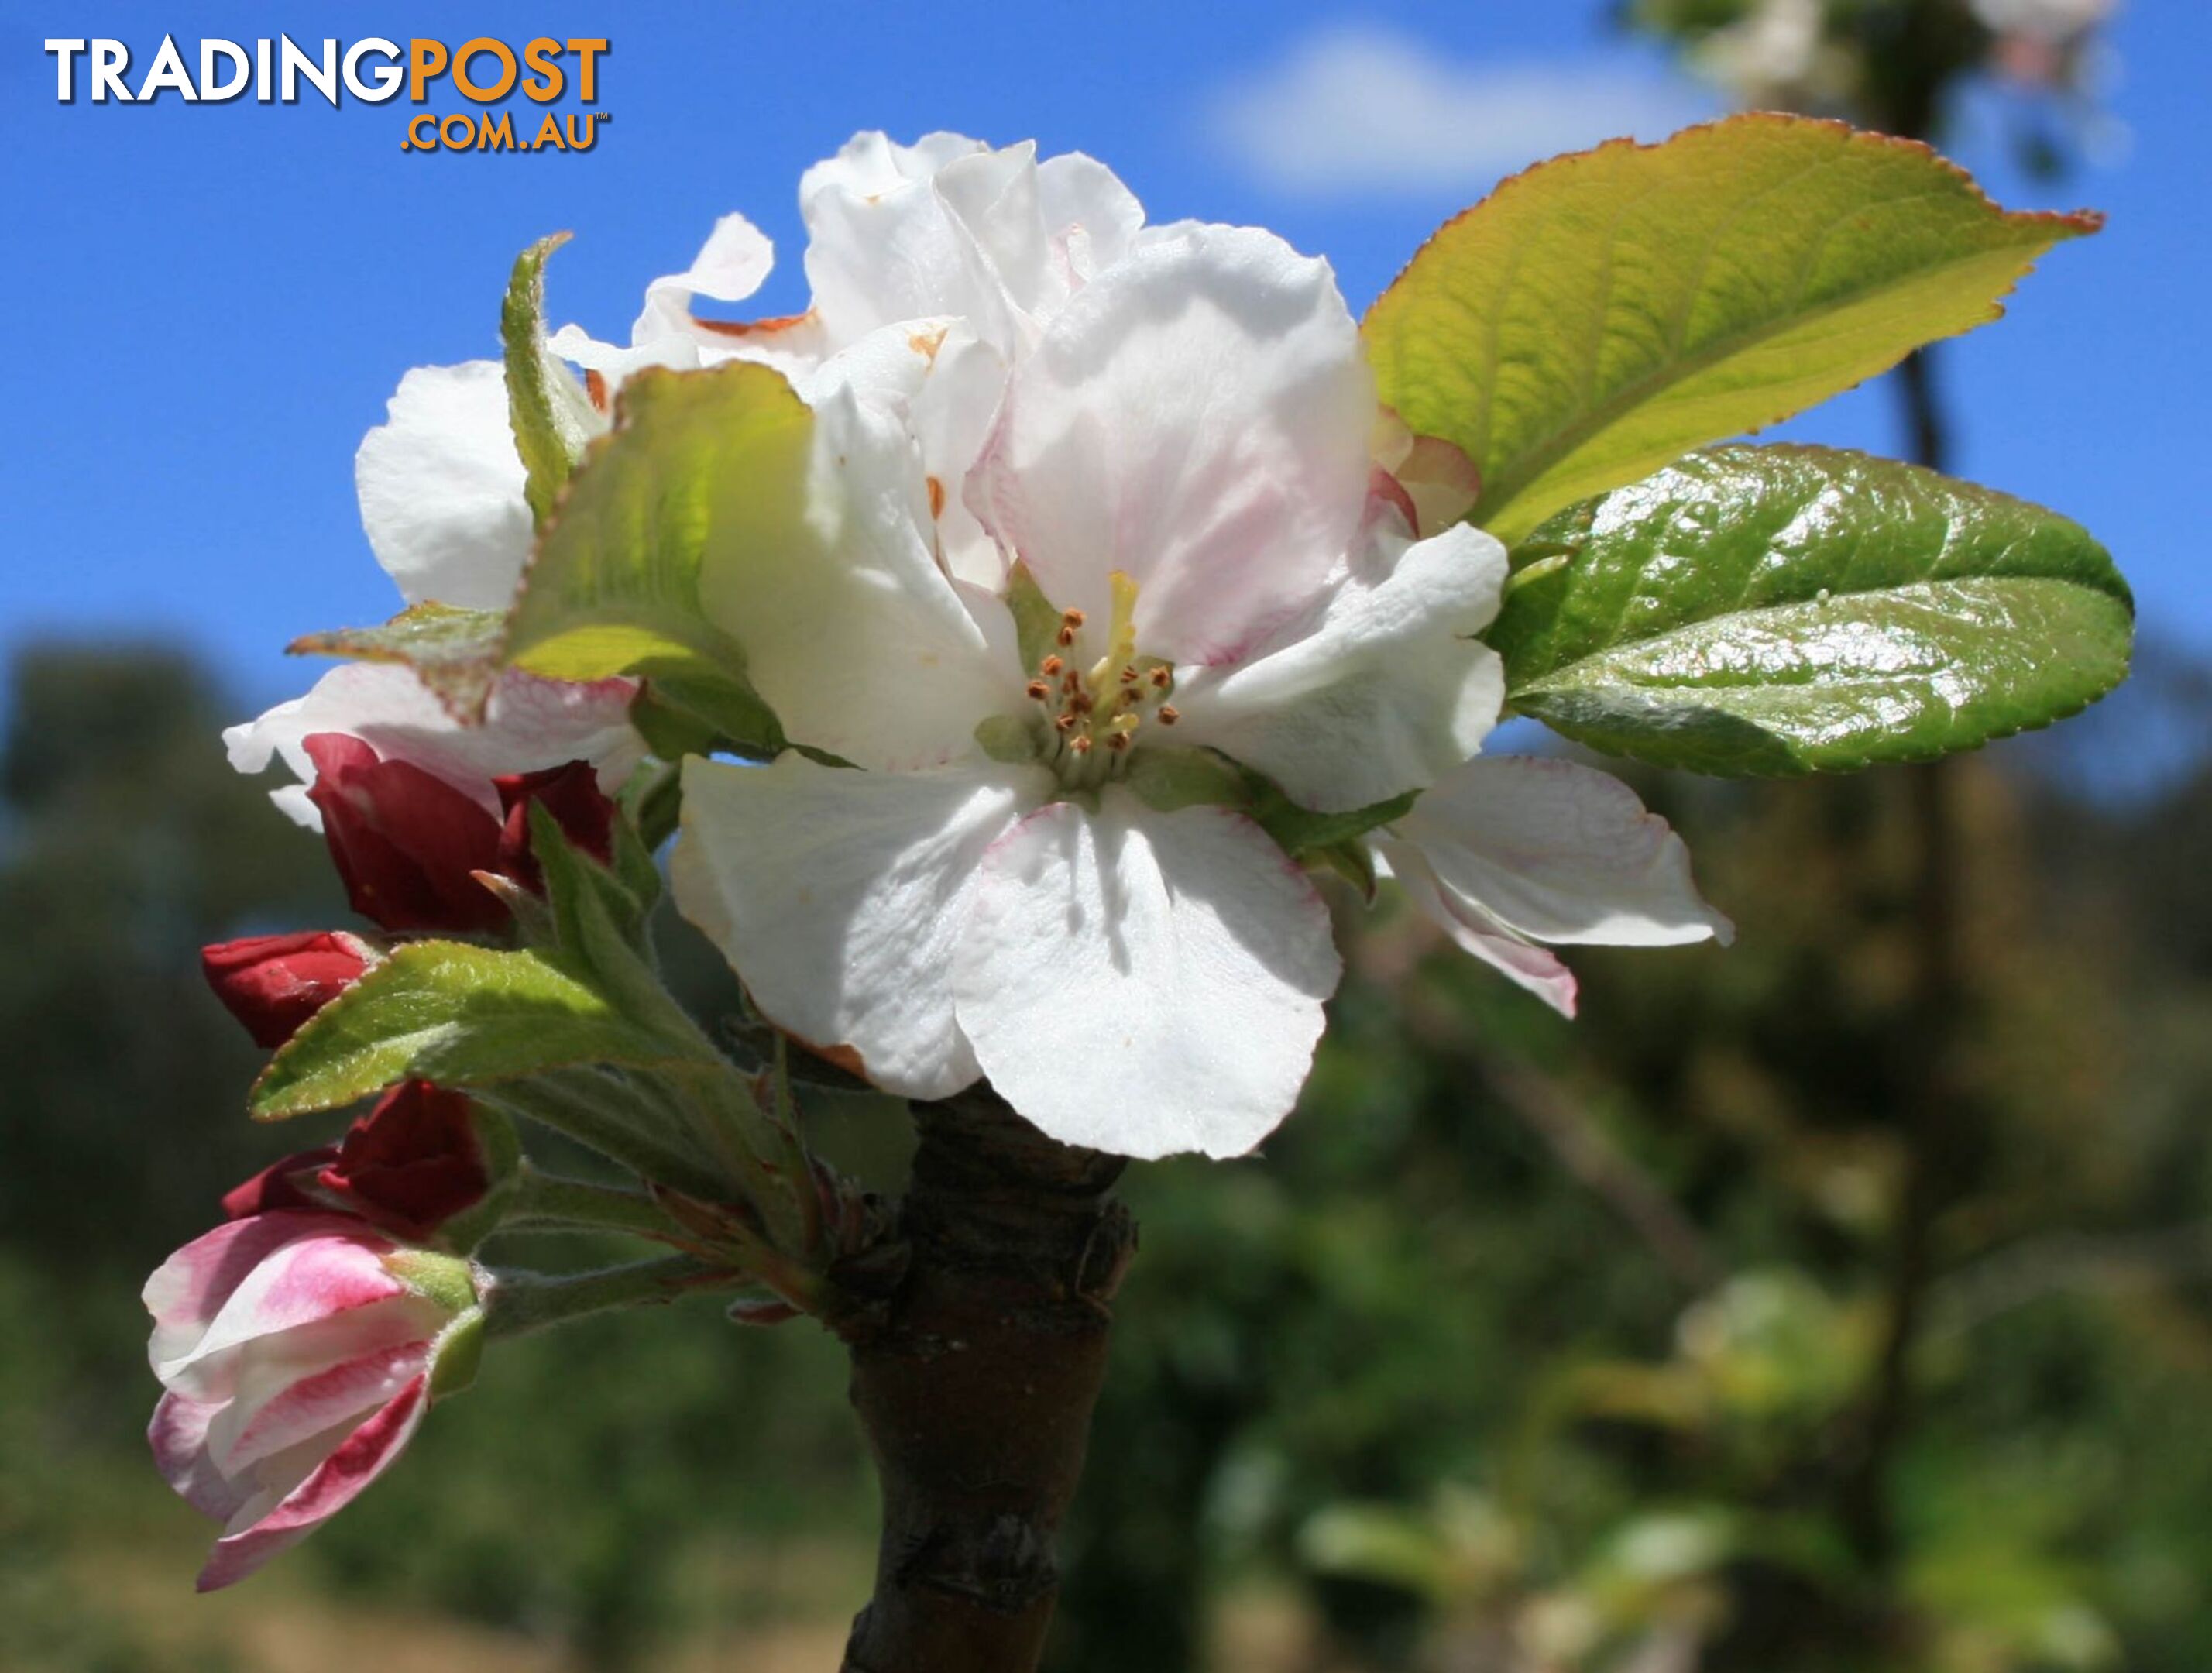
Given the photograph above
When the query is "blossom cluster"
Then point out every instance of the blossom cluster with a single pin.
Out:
(1122, 617)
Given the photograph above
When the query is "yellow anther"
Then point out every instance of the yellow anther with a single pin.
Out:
(1168, 714)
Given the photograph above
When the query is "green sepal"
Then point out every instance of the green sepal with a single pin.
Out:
(459, 1355)
(498, 1151)
(1036, 619)
(1009, 738)
(694, 709)
(1169, 779)
(652, 802)
(455, 653)
(447, 1280)
(542, 402)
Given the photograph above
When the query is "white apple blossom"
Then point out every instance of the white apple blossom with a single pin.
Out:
(1181, 462)
(1041, 865)
(1179, 442)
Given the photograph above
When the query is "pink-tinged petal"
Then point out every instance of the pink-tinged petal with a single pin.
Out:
(307, 1285)
(530, 724)
(1532, 967)
(839, 896)
(328, 1488)
(189, 1289)
(1436, 482)
(1145, 982)
(1197, 417)
(440, 487)
(1385, 690)
(177, 1435)
(277, 1406)
(1558, 852)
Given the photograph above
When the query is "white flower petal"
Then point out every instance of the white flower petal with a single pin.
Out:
(441, 488)
(884, 247)
(1197, 416)
(852, 633)
(838, 897)
(1385, 693)
(529, 723)
(1532, 967)
(1091, 216)
(1144, 982)
(1560, 852)
(952, 414)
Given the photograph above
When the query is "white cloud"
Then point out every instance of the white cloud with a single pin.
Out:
(1358, 109)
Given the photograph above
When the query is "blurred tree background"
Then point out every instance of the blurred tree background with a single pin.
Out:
(1839, 1303)
(1527, 1346)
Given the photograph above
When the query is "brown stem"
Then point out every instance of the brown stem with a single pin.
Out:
(974, 1382)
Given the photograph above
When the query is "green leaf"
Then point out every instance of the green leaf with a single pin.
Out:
(1601, 315)
(542, 403)
(456, 653)
(458, 1014)
(695, 459)
(1791, 609)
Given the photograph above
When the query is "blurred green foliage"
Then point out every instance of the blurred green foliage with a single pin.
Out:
(1527, 1346)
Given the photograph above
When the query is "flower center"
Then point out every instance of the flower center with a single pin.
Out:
(1095, 715)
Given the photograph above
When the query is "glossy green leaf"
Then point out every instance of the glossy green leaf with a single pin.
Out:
(543, 403)
(456, 1013)
(1602, 313)
(696, 460)
(1791, 609)
(454, 652)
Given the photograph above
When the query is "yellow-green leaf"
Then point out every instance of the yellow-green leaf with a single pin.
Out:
(458, 1014)
(614, 586)
(1601, 314)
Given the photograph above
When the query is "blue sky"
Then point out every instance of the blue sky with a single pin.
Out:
(209, 305)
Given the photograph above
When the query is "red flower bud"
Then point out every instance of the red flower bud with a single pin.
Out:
(572, 795)
(409, 1165)
(277, 1185)
(404, 841)
(273, 983)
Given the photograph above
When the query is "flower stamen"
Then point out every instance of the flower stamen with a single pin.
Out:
(1108, 703)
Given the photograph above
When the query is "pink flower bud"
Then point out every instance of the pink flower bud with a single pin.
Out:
(572, 795)
(409, 1165)
(299, 1351)
(274, 983)
(406, 843)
